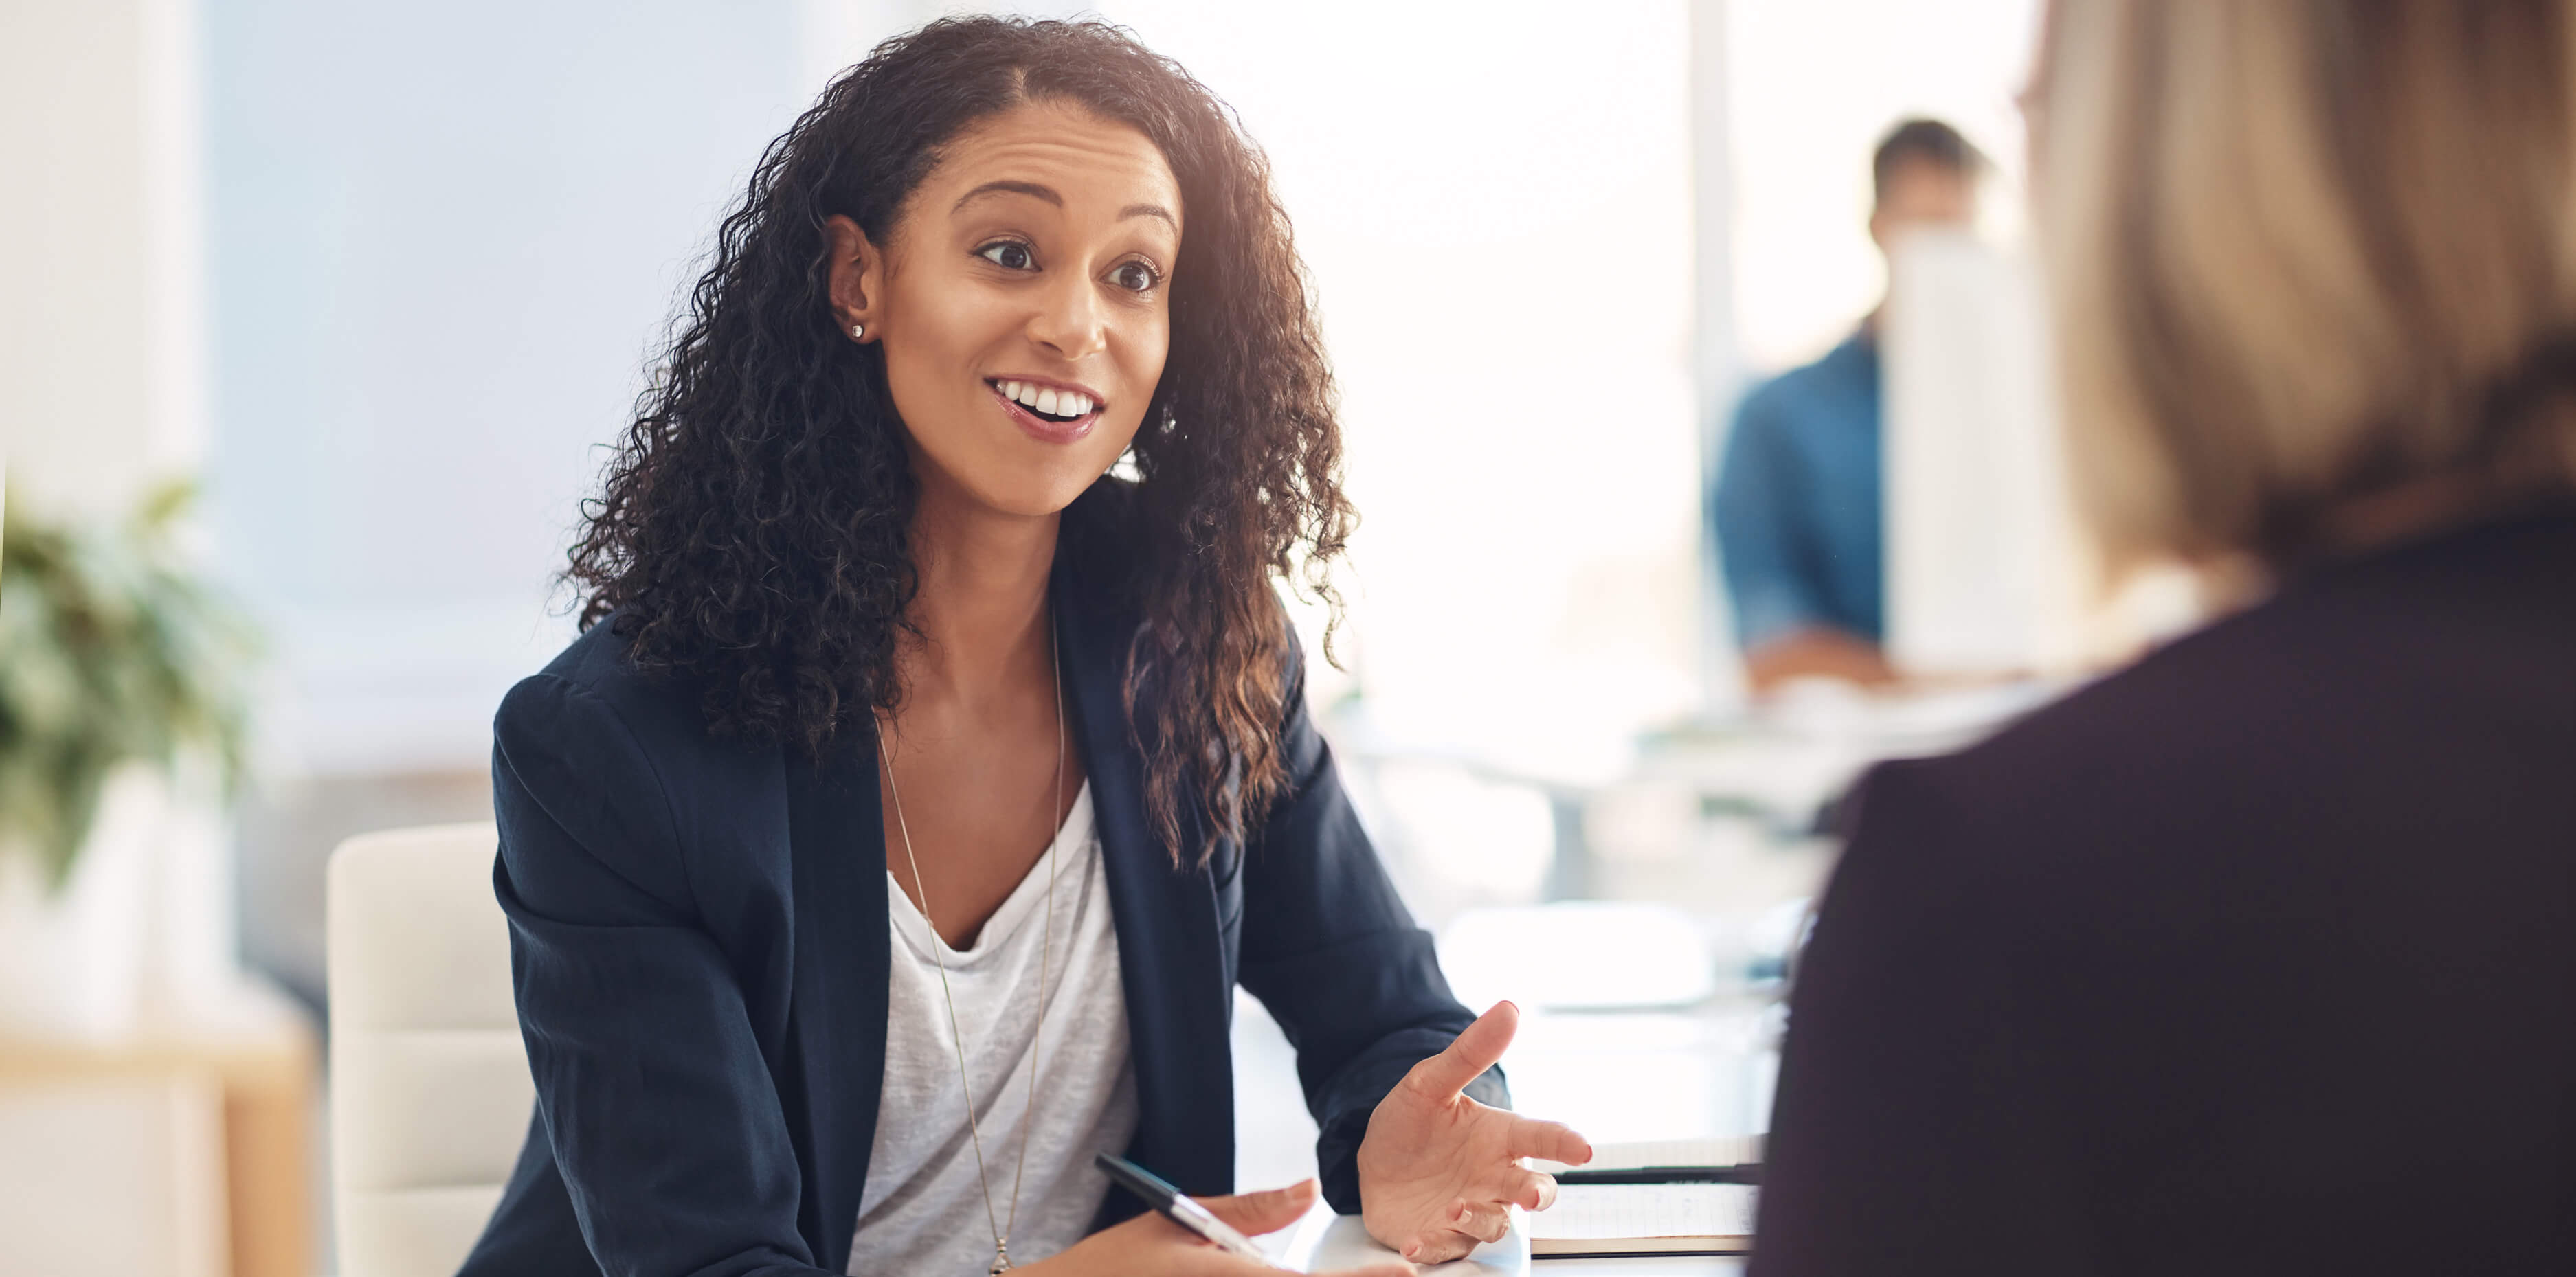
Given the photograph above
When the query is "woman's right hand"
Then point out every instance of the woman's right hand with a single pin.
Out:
(1152, 1246)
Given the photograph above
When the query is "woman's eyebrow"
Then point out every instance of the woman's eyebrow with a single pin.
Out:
(1036, 190)
(1007, 187)
(1150, 210)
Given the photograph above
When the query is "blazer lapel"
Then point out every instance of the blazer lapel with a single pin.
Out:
(1178, 1004)
(837, 1019)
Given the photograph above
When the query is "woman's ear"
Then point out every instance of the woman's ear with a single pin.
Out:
(858, 277)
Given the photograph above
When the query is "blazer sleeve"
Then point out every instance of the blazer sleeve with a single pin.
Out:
(1917, 1127)
(650, 1085)
(1334, 955)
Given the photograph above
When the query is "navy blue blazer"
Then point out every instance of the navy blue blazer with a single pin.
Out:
(699, 943)
(2255, 958)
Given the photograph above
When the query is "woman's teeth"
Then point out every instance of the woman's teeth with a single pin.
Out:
(1047, 401)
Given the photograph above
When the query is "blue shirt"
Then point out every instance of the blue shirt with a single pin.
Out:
(1797, 508)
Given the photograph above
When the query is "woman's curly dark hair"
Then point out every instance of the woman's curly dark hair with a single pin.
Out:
(752, 530)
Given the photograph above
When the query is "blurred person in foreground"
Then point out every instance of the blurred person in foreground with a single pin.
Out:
(2259, 956)
(1797, 505)
(895, 836)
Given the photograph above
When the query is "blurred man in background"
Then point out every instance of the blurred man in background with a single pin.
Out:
(1797, 504)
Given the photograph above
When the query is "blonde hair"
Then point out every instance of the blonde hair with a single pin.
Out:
(2305, 253)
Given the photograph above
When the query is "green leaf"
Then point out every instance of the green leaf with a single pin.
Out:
(112, 650)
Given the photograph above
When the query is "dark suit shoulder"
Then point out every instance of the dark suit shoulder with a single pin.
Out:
(2365, 717)
(662, 709)
(600, 663)
(2358, 669)
(620, 760)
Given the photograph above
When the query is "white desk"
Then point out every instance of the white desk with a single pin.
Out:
(1615, 1077)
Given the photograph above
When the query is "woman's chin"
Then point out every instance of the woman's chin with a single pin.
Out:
(1031, 496)
(1018, 480)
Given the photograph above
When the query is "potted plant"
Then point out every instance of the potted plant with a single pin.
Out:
(124, 697)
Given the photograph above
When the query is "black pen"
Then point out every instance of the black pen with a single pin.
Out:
(1176, 1206)
(1740, 1173)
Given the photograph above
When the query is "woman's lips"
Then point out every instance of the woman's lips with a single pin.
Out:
(1039, 428)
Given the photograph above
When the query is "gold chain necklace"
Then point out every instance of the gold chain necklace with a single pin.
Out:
(1046, 952)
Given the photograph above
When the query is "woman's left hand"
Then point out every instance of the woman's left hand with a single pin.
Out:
(1439, 1171)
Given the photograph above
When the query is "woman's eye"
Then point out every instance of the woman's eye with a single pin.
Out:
(1007, 254)
(1135, 276)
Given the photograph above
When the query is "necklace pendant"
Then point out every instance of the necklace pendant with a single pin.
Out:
(1001, 1260)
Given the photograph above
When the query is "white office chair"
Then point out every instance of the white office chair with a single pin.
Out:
(430, 1093)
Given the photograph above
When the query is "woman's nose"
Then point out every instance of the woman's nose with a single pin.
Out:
(1071, 321)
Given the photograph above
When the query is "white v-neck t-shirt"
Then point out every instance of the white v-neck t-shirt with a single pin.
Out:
(922, 1211)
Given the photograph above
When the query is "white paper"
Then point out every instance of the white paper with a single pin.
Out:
(1603, 1212)
(1325, 1242)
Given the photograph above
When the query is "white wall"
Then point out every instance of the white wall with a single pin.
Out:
(444, 239)
(1496, 205)
(102, 394)
(101, 322)
(1813, 86)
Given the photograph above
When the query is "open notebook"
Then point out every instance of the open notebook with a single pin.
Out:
(1677, 1210)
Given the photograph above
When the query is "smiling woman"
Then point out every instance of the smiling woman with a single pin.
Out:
(770, 403)
(1037, 257)
(891, 840)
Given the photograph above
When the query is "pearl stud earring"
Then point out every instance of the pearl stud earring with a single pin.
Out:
(858, 330)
